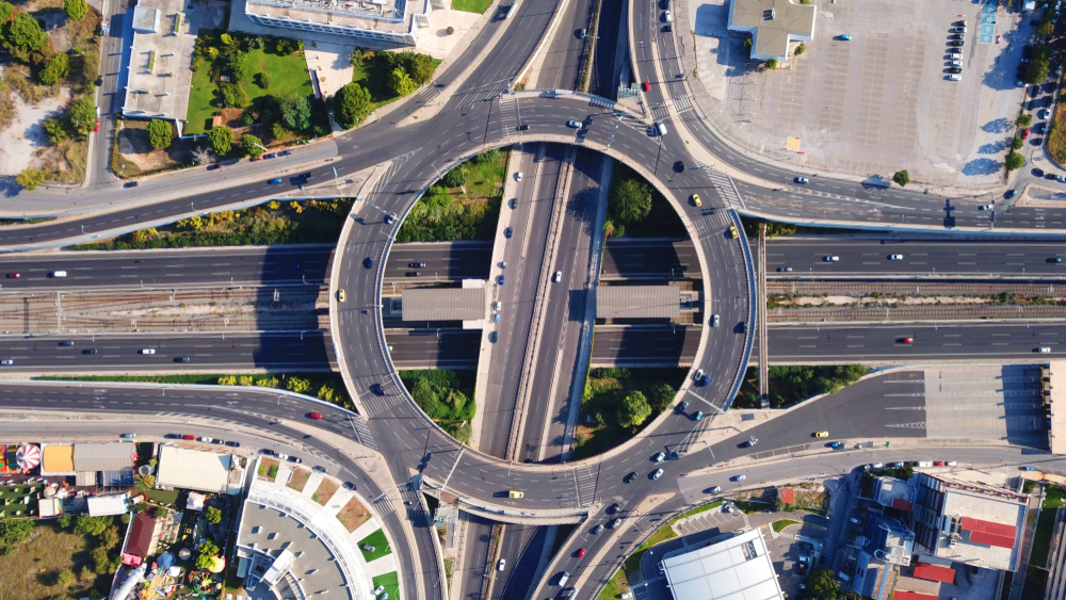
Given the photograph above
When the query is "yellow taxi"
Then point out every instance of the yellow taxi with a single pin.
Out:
(341, 296)
(515, 494)
(733, 232)
(821, 434)
(696, 200)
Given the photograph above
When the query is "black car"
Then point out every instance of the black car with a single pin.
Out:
(956, 43)
(1049, 87)
(271, 155)
(1050, 176)
(955, 69)
(390, 219)
(182, 359)
(233, 444)
(1010, 193)
(377, 390)
(1037, 172)
(629, 478)
(1034, 90)
(1056, 260)
(89, 351)
(955, 36)
(368, 262)
(523, 128)
(412, 274)
(66, 343)
(213, 167)
(417, 265)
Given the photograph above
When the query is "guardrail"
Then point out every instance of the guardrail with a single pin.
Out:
(752, 307)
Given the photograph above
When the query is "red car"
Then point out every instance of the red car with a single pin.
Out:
(188, 437)
(96, 126)
(581, 553)
(1025, 133)
(906, 340)
(939, 463)
(14, 275)
(646, 86)
(316, 416)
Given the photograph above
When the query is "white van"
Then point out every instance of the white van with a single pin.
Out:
(563, 578)
(59, 273)
(659, 127)
(923, 463)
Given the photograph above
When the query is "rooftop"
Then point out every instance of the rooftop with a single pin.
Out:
(57, 459)
(893, 492)
(1054, 376)
(160, 68)
(193, 469)
(772, 24)
(368, 15)
(113, 456)
(738, 568)
(638, 302)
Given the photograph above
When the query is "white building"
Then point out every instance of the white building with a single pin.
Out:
(773, 24)
(390, 21)
(738, 568)
(182, 468)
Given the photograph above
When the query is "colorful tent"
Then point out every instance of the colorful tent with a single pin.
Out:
(28, 456)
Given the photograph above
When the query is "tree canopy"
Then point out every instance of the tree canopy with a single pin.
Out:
(58, 68)
(23, 34)
(75, 9)
(82, 115)
(252, 145)
(221, 138)
(400, 82)
(30, 179)
(630, 200)
(159, 133)
(351, 105)
(1014, 161)
(13, 531)
(295, 111)
(634, 410)
(902, 178)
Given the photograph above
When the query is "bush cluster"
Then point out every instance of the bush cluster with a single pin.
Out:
(792, 385)
(445, 396)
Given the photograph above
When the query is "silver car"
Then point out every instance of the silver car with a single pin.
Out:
(657, 474)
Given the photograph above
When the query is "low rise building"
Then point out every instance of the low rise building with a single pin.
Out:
(884, 545)
(735, 568)
(159, 73)
(968, 522)
(773, 25)
(393, 22)
(184, 468)
(894, 493)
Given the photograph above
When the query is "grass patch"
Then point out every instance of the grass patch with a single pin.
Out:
(29, 572)
(19, 500)
(167, 497)
(1054, 496)
(666, 532)
(391, 581)
(605, 390)
(379, 543)
(1056, 139)
(472, 6)
(325, 386)
(1045, 528)
(268, 467)
(780, 524)
(615, 587)
(299, 479)
(325, 491)
(290, 222)
(353, 515)
(448, 213)
(699, 509)
(750, 508)
(791, 385)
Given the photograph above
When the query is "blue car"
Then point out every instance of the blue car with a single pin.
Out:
(501, 279)
(699, 415)
(507, 232)
(836, 445)
(274, 180)
(1028, 469)
(846, 37)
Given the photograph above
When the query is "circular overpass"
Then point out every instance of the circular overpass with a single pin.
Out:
(401, 429)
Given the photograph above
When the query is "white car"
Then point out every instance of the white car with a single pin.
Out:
(379, 589)
(955, 56)
(667, 17)
(558, 277)
(956, 63)
(955, 77)
(205, 439)
(985, 207)
(283, 456)
(714, 321)
(148, 351)
(500, 565)
(660, 456)
(7, 362)
(518, 176)
(1043, 350)
(657, 474)
(831, 259)
(896, 257)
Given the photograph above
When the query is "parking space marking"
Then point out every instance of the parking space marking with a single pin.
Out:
(792, 97)
(834, 88)
(868, 115)
(903, 112)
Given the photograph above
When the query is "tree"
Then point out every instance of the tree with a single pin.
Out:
(1016, 143)
(295, 384)
(351, 105)
(400, 82)
(108, 539)
(208, 550)
(1023, 120)
(487, 157)
(82, 115)
(1045, 28)
(94, 526)
(822, 586)
(419, 66)
(101, 563)
(237, 66)
(89, 67)
(213, 515)
(144, 482)
(252, 145)
(66, 578)
(630, 200)
(57, 130)
(159, 133)
(30, 179)
(75, 9)
(6, 10)
(661, 397)
(771, 63)
(14, 531)
(58, 68)
(295, 111)
(457, 176)
(160, 512)
(23, 35)
(221, 138)
(1037, 70)
(902, 178)
(799, 49)
(633, 411)
(1014, 161)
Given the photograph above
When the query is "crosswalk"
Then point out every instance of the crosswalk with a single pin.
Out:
(726, 189)
(587, 480)
(712, 222)
(508, 110)
(681, 104)
(363, 434)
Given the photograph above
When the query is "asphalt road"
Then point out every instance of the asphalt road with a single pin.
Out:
(442, 260)
(556, 364)
(245, 265)
(217, 353)
(561, 68)
(524, 255)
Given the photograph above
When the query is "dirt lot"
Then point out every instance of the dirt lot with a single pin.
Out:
(299, 479)
(137, 156)
(353, 515)
(24, 139)
(325, 491)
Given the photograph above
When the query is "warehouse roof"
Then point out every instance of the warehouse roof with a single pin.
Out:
(738, 568)
(638, 302)
(193, 469)
(57, 458)
(114, 456)
(445, 304)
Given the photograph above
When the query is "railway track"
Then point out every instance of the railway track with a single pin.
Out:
(915, 313)
(911, 288)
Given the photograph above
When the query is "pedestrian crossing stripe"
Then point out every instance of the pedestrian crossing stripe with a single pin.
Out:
(793, 144)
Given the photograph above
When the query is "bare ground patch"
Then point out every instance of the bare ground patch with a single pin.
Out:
(268, 468)
(23, 138)
(353, 515)
(325, 491)
(137, 156)
(299, 479)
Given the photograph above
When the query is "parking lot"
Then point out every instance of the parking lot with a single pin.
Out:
(882, 101)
